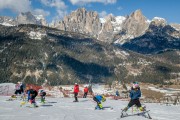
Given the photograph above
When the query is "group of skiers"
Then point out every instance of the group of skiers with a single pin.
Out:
(76, 91)
(21, 89)
(135, 94)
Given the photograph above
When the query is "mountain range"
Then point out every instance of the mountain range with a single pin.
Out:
(120, 30)
(83, 47)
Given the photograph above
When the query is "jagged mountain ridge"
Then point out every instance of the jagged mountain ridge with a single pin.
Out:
(117, 30)
(88, 22)
(35, 54)
(23, 18)
(158, 37)
(123, 30)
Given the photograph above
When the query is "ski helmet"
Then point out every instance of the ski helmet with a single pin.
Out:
(135, 85)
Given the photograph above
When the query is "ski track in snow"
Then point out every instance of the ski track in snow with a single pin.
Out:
(65, 109)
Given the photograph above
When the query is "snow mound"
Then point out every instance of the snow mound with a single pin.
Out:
(7, 88)
(36, 35)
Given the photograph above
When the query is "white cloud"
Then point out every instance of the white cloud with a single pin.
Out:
(77, 2)
(103, 14)
(59, 4)
(119, 8)
(16, 5)
(41, 12)
(61, 13)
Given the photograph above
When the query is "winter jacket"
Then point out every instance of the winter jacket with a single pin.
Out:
(76, 88)
(85, 89)
(100, 98)
(117, 93)
(135, 94)
(32, 94)
(42, 93)
(22, 87)
(17, 86)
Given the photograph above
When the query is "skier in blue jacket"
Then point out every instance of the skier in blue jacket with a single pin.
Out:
(31, 96)
(135, 94)
(99, 99)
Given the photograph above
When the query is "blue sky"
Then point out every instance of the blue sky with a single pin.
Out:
(56, 9)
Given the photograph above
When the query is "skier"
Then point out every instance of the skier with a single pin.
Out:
(76, 90)
(31, 97)
(135, 94)
(22, 88)
(117, 95)
(85, 92)
(98, 99)
(42, 94)
(17, 90)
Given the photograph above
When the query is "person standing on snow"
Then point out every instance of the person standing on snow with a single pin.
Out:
(76, 90)
(42, 94)
(85, 92)
(135, 94)
(116, 97)
(22, 88)
(17, 90)
(98, 99)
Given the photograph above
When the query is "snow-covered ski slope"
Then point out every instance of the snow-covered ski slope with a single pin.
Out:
(65, 109)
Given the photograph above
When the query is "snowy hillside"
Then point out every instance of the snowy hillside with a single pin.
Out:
(65, 109)
(6, 24)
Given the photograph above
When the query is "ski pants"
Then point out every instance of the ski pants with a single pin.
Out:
(134, 102)
(98, 102)
(75, 96)
(85, 95)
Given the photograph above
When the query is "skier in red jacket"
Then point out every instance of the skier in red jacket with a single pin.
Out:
(85, 92)
(76, 90)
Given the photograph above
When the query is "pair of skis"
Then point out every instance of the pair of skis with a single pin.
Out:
(143, 113)
(104, 108)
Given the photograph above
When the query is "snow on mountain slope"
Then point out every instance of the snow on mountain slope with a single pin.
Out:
(6, 24)
(65, 109)
(117, 24)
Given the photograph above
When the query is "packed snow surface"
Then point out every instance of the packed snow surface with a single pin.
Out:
(66, 109)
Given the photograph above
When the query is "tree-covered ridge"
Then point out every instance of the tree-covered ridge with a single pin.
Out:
(34, 54)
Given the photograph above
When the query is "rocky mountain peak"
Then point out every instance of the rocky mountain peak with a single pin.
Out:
(7, 21)
(81, 10)
(175, 26)
(29, 18)
(138, 16)
(81, 21)
(110, 17)
(134, 25)
(26, 18)
(157, 21)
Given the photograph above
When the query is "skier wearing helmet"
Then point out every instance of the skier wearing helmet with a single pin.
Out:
(135, 94)
(76, 90)
(85, 92)
(98, 99)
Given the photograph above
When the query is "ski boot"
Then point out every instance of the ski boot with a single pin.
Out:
(33, 105)
(125, 109)
(22, 103)
(97, 108)
(13, 96)
(142, 109)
